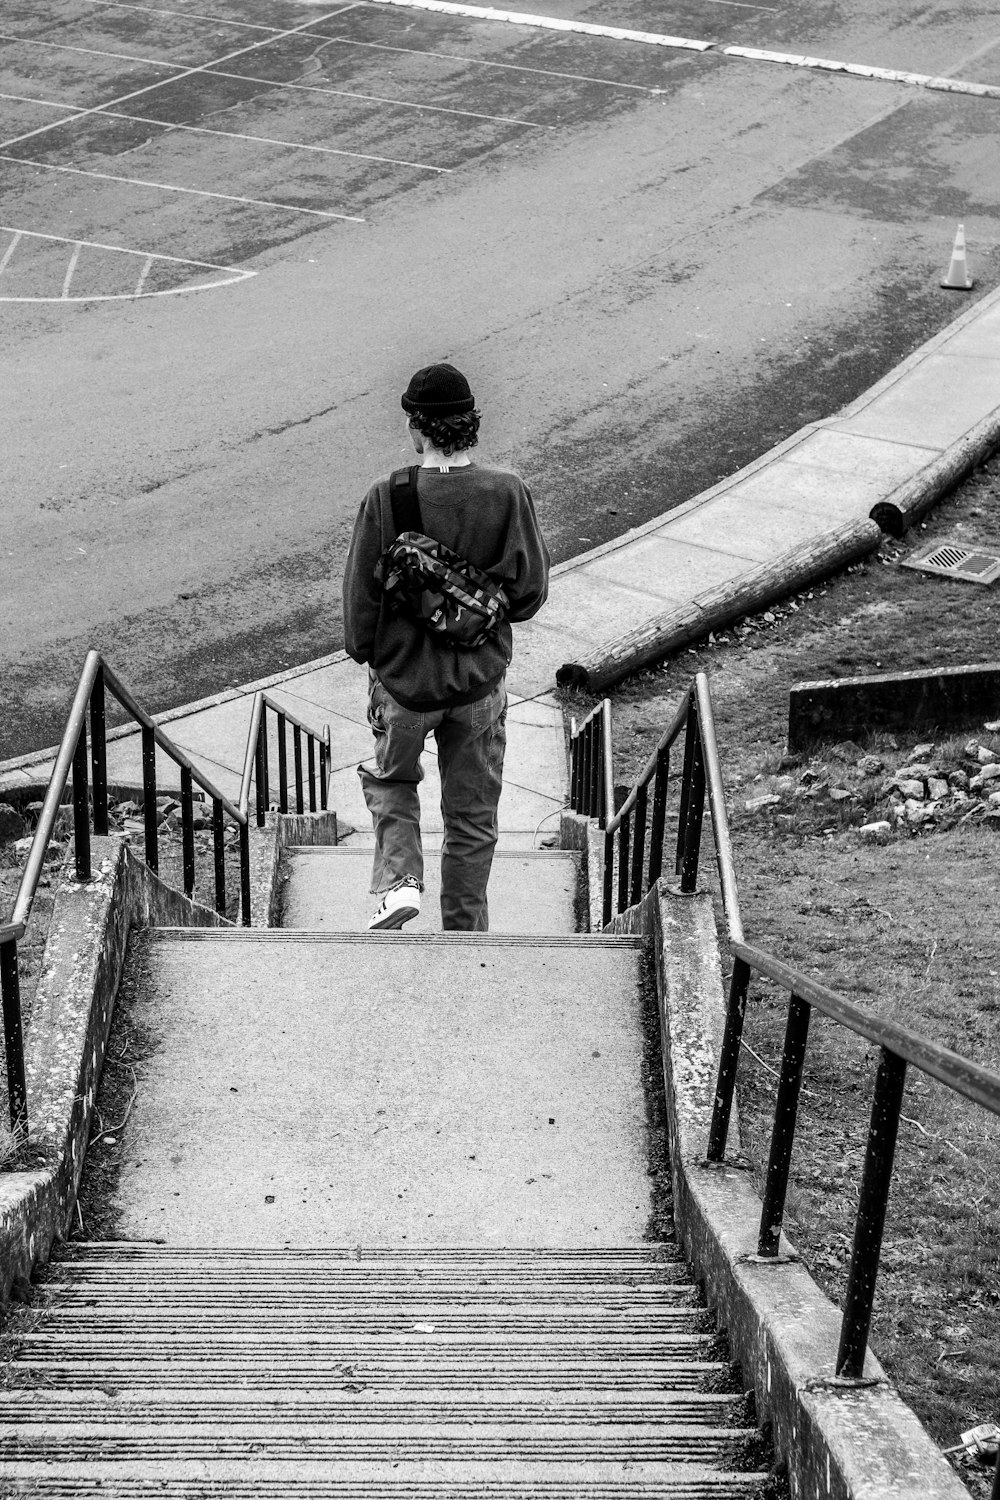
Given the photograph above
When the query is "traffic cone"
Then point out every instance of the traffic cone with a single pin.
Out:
(957, 278)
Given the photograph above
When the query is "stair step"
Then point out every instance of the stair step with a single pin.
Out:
(400, 1481)
(531, 891)
(272, 936)
(312, 1088)
(151, 1443)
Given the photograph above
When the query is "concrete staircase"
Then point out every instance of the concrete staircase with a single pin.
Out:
(472, 1111)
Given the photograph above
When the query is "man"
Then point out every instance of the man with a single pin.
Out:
(420, 683)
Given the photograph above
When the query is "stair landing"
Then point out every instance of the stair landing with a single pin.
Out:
(309, 1088)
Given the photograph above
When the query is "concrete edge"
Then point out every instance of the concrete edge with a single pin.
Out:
(753, 590)
(67, 1037)
(856, 1442)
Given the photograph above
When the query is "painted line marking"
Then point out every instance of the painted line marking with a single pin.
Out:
(187, 73)
(479, 62)
(188, 15)
(18, 237)
(70, 270)
(235, 135)
(547, 23)
(485, 62)
(231, 274)
(170, 187)
(147, 266)
(657, 39)
(441, 109)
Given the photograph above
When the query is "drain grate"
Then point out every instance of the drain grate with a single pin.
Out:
(955, 562)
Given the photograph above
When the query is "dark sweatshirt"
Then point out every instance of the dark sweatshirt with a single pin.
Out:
(485, 515)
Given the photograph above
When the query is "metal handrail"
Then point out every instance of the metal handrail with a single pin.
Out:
(592, 791)
(256, 761)
(96, 679)
(899, 1047)
(625, 829)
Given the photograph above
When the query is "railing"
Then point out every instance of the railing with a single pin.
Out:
(638, 859)
(591, 778)
(639, 864)
(256, 766)
(90, 792)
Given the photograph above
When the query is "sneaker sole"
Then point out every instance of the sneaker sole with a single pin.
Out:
(394, 919)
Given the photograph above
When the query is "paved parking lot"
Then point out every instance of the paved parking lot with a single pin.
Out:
(654, 261)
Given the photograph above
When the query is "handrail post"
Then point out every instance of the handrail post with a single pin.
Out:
(574, 764)
(297, 749)
(99, 754)
(187, 831)
(638, 846)
(609, 877)
(10, 989)
(876, 1178)
(81, 805)
(659, 821)
(729, 1060)
(282, 766)
(586, 790)
(245, 873)
(624, 833)
(260, 775)
(311, 750)
(218, 838)
(783, 1135)
(324, 768)
(692, 803)
(606, 800)
(149, 797)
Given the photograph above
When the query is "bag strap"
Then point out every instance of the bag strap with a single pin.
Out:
(405, 505)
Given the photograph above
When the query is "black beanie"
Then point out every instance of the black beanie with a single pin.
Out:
(440, 391)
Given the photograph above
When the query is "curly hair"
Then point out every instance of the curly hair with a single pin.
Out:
(449, 434)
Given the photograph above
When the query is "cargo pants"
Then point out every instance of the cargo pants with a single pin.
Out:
(471, 739)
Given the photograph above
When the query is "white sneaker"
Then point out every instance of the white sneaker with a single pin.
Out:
(397, 906)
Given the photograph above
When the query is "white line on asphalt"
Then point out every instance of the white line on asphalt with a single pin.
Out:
(656, 39)
(440, 109)
(235, 135)
(192, 15)
(547, 23)
(486, 62)
(187, 73)
(18, 236)
(170, 291)
(71, 268)
(170, 187)
(148, 62)
(147, 266)
(177, 260)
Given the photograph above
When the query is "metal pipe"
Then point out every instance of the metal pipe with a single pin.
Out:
(607, 808)
(729, 1059)
(869, 1226)
(967, 1078)
(81, 806)
(690, 850)
(324, 768)
(666, 740)
(149, 797)
(53, 796)
(261, 778)
(783, 1135)
(282, 765)
(717, 809)
(623, 853)
(609, 877)
(187, 831)
(297, 751)
(638, 846)
(99, 754)
(245, 873)
(218, 839)
(10, 991)
(311, 749)
(659, 823)
(252, 757)
(121, 692)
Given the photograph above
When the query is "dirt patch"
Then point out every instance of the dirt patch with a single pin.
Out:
(904, 921)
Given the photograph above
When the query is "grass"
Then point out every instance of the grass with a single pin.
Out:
(907, 928)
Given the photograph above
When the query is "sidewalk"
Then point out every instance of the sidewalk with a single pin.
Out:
(797, 512)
